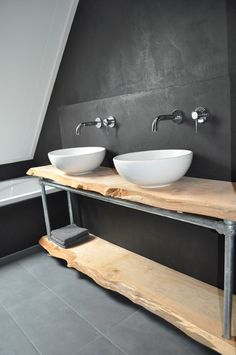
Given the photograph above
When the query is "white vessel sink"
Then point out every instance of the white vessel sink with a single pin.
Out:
(154, 168)
(76, 161)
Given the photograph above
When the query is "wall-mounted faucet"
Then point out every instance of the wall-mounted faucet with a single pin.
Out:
(97, 123)
(176, 116)
(109, 122)
(200, 115)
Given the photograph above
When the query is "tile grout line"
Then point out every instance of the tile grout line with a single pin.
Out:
(91, 342)
(21, 329)
(122, 320)
(81, 316)
(78, 314)
(84, 346)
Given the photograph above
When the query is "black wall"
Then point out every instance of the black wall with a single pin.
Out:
(231, 11)
(176, 51)
(14, 170)
(135, 59)
(22, 223)
(135, 113)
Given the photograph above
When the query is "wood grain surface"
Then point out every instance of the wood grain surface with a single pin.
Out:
(191, 305)
(207, 197)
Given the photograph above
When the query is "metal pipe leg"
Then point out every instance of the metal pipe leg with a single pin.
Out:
(228, 278)
(45, 209)
(70, 207)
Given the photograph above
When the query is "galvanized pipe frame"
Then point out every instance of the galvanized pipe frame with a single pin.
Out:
(225, 227)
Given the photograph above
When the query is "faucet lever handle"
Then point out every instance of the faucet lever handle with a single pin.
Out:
(99, 122)
(109, 122)
(200, 115)
(196, 126)
(105, 122)
(195, 118)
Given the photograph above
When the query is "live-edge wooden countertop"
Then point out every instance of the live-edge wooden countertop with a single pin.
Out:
(207, 197)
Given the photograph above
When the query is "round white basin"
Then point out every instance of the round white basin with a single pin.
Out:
(154, 168)
(76, 161)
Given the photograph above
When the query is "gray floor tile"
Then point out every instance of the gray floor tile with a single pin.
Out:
(101, 307)
(101, 346)
(17, 285)
(51, 271)
(12, 339)
(144, 333)
(53, 327)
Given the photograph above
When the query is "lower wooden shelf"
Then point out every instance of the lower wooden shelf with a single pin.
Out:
(191, 305)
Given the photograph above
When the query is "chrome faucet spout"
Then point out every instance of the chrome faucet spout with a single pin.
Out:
(177, 116)
(97, 123)
(78, 129)
(165, 117)
(160, 118)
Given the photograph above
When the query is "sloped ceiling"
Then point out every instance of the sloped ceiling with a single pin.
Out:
(33, 35)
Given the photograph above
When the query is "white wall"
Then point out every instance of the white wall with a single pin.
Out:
(33, 35)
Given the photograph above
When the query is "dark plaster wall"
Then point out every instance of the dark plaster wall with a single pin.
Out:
(231, 11)
(192, 250)
(14, 170)
(124, 47)
(22, 223)
(135, 59)
(135, 113)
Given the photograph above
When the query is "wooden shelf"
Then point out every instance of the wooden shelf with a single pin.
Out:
(206, 197)
(191, 305)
